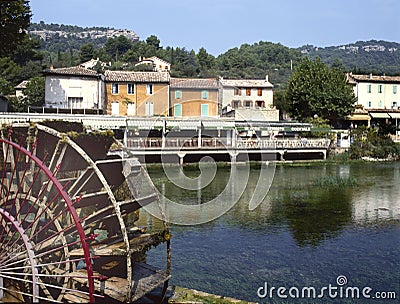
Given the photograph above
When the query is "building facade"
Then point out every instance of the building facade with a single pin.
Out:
(157, 64)
(74, 88)
(248, 98)
(137, 93)
(376, 92)
(194, 97)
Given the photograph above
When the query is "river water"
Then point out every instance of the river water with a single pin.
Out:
(302, 235)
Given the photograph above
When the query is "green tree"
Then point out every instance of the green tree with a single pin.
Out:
(281, 103)
(10, 73)
(153, 41)
(15, 17)
(315, 90)
(86, 52)
(118, 46)
(34, 92)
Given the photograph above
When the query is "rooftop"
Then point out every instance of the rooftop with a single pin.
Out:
(246, 83)
(372, 78)
(127, 76)
(194, 83)
(72, 71)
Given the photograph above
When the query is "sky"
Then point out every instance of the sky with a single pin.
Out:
(219, 25)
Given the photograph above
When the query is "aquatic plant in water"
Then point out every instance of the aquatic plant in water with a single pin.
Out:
(335, 182)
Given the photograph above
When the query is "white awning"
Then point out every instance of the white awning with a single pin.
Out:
(145, 124)
(184, 124)
(379, 115)
(218, 124)
(395, 115)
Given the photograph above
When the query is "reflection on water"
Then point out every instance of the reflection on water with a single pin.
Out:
(300, 235)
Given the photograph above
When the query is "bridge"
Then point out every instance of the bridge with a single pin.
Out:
(236, 150)
(188, 139)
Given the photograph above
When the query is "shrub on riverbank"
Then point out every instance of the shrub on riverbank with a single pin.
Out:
(371, 143)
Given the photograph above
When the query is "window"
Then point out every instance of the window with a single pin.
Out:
(259, 92)
(131, 111)
(75, 102)
(115, 108)
(178, 110)
(394, 105)
(379, 88)
(247, 103)
(149, 108)
(394, 89)
(369, 88)
(204, 94)
(369, 104)
(114, 88)
(149, 89)
(248, 92)
(235, 104)
(204, 110)
(131, 88)
(178, 94)
(237, 92)
(260, 103)
(380, 104)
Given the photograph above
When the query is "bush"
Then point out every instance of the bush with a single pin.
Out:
(370, 143)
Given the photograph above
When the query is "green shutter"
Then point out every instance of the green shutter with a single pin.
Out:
(178, 94)
(204, 110)
(178, 110)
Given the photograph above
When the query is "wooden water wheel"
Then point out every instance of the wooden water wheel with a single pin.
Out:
(65, 236)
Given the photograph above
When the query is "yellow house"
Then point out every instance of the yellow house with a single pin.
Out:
(137, 93)
(194, 97)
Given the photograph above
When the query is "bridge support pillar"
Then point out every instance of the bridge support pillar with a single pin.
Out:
(181, 156)
(233, 155)
(282, 155)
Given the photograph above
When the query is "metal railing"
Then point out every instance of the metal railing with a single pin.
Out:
(223, 143)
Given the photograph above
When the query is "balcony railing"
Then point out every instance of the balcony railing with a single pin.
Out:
(223, 143)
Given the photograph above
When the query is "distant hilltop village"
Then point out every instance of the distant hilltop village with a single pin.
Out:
(92, 33)
(356, 48)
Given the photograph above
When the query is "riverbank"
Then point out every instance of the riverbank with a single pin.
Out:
(190, 296)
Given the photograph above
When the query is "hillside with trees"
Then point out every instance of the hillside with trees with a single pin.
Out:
(67, 45)
(376, 57)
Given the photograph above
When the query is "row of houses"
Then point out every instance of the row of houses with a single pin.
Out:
(156, 93)
(128, 93)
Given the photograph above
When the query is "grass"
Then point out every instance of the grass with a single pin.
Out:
(335, 182)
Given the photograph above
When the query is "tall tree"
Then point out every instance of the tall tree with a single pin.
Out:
(15, 17)
(86, 52)
(315, 90)
(34, 92)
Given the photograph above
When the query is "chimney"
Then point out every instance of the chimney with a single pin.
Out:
(51, 67)
(266, 78)
(370, 76)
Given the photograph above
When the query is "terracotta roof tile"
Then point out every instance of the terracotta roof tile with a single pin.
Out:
(246, 83)
(127, 76)
(194, 83)
(373, 78)
(22, 85)
(74, 71)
